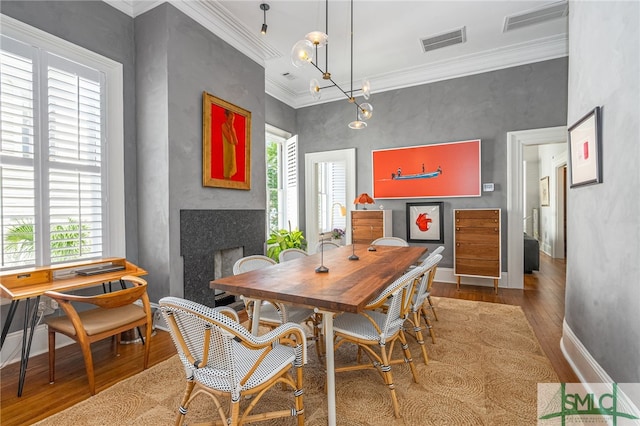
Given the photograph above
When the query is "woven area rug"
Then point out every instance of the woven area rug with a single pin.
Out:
(483, 370)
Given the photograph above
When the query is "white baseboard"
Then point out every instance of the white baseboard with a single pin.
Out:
(446, 275)
(589, 371)
(12, 349)
(584, 365)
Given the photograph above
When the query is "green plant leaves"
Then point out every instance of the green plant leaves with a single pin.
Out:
(283, 239)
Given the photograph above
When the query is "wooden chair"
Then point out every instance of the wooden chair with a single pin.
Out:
(221, 358)
(115, 312)
(390, 241)
(374, 328)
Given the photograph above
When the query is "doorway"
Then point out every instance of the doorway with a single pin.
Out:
(322, 211)
(516, 141)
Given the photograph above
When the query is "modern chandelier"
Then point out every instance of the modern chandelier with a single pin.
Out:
(303, 53)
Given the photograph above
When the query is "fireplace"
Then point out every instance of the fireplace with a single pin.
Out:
(210, 242)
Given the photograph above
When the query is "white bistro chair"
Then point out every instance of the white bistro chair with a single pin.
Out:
(390, 241)
(373, 329)
(291, 253)
(221, 358)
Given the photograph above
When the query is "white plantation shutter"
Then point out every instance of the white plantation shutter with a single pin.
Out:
(17, 150)
(75, 160)
(290, 184)
(52, 164)
(338, 194)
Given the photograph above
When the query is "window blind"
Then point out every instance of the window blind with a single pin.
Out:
(51, 164)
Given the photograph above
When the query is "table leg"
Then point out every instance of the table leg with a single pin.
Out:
(7, 323)
(26, 341)
(327, 320)
(255, 323)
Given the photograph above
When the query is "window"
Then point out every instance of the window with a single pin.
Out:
(54, 179)
(331, 196)
(282, 180)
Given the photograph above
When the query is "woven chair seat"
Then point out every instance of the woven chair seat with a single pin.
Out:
(279, 359)
(359, 327)
(268, 313)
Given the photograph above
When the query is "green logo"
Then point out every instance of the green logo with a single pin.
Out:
(591, 403)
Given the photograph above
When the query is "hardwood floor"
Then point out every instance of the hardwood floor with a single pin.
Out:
(542, 302)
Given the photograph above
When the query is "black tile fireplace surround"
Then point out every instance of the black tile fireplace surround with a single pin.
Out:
(203, 233)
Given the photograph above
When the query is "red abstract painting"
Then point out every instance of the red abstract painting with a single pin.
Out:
(428, 171)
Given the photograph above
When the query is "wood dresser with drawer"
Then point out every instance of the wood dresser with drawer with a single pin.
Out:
(476, 241)
(367, 225)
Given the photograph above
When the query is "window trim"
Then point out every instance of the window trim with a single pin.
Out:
(115, 237)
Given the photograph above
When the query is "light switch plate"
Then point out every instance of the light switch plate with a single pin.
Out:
(487, 187)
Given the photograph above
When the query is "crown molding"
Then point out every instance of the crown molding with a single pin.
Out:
(490, 60)
(217, 19)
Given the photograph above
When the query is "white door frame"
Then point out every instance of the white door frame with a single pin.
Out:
(516, 141)
(311, 185)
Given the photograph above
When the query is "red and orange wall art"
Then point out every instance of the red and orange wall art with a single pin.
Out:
(428, 171)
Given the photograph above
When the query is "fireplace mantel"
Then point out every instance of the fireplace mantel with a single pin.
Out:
(203, 232)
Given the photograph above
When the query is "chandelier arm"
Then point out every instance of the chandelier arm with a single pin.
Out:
(352, 49)
(326, 31)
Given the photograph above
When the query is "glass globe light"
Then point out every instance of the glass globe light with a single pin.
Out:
(302, 53)
(366, 89)
(317, 38)
(365, 111)
(357, 125)
(314, 89)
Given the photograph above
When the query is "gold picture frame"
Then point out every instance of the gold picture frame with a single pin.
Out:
(226, 144)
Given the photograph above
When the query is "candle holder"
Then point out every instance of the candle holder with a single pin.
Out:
(322, 268)
(353, 249)
(371, 247)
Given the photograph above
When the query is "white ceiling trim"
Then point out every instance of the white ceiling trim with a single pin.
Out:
(491, 60)
(215, 18)
(222, 23)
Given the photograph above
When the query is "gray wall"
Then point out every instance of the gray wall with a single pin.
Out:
(177, 59)
(280, 115)
(484, 106)
(603, 226)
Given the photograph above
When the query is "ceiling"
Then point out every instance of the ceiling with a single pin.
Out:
(386, 39)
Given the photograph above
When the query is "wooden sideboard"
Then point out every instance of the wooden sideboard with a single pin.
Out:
(367, 225)
(476, 240)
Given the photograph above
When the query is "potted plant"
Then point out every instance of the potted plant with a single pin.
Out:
(283, 239)
(338, 234)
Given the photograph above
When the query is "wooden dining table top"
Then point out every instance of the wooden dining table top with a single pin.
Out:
(346, 287)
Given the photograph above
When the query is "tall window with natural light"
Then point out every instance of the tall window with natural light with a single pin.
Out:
(282, 182)
(52, 162)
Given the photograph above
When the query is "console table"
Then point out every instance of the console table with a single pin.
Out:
(31, 283)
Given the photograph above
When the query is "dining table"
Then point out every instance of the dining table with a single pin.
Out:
(331, 282)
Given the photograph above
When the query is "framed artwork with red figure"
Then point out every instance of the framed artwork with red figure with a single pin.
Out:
(428, 171)
(226, 144)
(425, 222)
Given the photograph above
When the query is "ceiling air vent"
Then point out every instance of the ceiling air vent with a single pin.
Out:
(443, 40)
(288, 76)
(536, 16)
